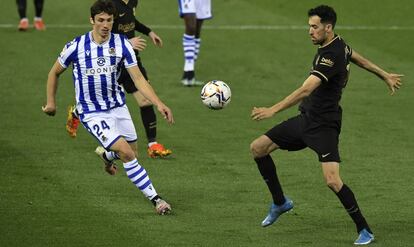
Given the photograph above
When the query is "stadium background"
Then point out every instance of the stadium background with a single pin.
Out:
(54, 192)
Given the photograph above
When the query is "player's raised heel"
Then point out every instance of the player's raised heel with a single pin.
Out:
(110, 166)
(275, 211)
(364, 238)
(162, 207)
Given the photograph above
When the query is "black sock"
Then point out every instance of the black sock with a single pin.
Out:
(38, 7)
(267, 169)
(347, 198)
(149, 121)
(21, 8)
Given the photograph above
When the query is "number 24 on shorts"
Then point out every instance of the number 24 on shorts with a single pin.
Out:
(97, 129)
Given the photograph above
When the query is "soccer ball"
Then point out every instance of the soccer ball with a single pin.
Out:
(216, 95)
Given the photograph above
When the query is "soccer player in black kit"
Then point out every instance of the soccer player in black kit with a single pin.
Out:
(319, 123)
(126, 23)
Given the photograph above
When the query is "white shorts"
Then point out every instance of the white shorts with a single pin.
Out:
(202, 8)
(108, 126)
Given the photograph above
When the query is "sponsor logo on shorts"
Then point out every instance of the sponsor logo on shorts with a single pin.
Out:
(325, 155)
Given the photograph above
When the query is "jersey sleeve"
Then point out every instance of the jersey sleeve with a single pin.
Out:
(68, 54)
(140, 27)
(326, 66)
(129, 58)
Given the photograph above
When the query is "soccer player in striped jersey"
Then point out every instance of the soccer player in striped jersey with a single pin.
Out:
(194, 12)
(24, 21)
(96, 58)
(126, 23)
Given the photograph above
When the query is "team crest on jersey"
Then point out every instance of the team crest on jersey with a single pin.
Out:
(112, 51)
(327, 62)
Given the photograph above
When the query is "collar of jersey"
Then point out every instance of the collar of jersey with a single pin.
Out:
(92, 40)
(330, 42)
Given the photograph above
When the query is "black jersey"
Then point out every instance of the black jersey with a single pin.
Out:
(125, 21)
(331, 65)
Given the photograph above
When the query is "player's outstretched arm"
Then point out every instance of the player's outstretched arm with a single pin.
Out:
(146, 89)
(310, 84)
(51, 88)
(140, 27)
(393, 81)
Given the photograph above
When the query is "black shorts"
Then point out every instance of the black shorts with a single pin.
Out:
(301, 131)
(126, 81)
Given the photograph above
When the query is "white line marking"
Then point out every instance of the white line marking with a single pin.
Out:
(238, 27)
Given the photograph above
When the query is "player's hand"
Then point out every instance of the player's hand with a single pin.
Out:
(49, 110)
(394, 82)
(259, 113)
(166, 113)
(138, 43)
(155, 39)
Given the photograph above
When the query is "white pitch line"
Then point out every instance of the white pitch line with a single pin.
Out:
(239, 27)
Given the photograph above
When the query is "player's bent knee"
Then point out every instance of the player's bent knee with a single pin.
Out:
(334, 185)
(257, 150)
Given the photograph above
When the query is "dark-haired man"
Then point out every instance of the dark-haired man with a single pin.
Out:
(319, 123)
(126, 23)
(100, 101)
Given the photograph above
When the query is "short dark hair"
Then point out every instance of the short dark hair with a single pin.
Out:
(326, 13)
(100, 6)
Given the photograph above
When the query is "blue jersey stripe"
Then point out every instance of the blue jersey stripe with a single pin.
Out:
(91, 80)
(125, 51)
(81, 99)
(114, 75)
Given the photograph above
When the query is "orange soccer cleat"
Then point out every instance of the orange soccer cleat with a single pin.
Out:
(72, 122)
(158, 150)
(39, 25)
(23, 24)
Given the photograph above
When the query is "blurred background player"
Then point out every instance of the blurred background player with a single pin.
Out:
(194, 12)
(126, 23)
(24, 21)
(97, 57)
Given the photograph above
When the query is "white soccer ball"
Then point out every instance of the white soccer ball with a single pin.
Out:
(216, 95)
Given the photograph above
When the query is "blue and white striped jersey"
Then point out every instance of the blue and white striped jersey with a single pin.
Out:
(96, 68)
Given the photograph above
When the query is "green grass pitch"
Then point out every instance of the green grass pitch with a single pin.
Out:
(54, 192)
